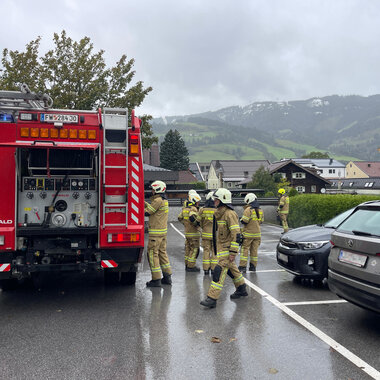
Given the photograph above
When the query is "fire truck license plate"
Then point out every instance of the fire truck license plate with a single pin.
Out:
(59, 118)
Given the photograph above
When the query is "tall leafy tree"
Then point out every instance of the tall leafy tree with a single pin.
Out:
(173, 152)
(262, 179)
(316, 155)
(76, 77)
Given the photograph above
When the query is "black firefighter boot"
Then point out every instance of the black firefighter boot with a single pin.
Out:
(209, 302)
(154, 283)
(193, 269)
(241, 291)
(252, 267)
(242, 269)
(167, 279)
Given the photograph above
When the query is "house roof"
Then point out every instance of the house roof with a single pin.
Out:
(357, 183)
(195, 169)
(153, 173)
(185, 176)
(371, 168)
(236, 169)
(319, 162)
(278, 165)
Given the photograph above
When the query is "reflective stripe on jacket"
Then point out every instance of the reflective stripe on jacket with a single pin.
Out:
(191, 231)
(251, 226)
(283, 205)
(204, 218)
(227, 229)
(158, 211)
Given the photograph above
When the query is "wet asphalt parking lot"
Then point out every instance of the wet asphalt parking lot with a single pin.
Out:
(74, 327)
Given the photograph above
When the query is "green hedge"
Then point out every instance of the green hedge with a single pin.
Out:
(319, 208)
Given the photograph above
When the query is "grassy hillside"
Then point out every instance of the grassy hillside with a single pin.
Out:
(209, 140)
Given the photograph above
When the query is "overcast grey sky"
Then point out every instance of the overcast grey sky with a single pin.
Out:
(201, 55)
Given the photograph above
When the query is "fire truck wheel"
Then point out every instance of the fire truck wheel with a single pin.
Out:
(8, 284)
(111, 278)
(127, 278)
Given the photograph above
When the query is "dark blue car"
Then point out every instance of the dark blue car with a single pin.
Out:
(304, 251)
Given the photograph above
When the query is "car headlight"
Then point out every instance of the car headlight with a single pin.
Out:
(312, 244)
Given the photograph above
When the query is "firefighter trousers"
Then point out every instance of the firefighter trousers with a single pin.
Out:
(249, 248)
(223, 268)
(284, 222)
(157, 256)
(209, 258)
(191, 251)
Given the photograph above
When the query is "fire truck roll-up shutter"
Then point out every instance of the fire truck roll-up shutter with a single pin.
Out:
(50, 144)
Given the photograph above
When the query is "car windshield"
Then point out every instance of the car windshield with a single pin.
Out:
(362, 222)
(334, 222)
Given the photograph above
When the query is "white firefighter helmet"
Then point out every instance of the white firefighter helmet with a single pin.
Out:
(194, 197)
(190, 193)
(223, 195)
(249, 198)
(209, 195)
(158, 187)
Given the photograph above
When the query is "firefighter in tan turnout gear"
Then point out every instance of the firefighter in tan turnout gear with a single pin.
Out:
(252, 217)
(158, 259)
(188, 217)
(283, 208)
(205, 220)
(227, 230)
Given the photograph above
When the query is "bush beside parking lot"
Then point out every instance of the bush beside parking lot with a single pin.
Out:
(319, 208)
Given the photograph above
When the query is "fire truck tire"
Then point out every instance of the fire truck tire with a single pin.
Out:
(8, 284)
(127, 278)
(111, 278)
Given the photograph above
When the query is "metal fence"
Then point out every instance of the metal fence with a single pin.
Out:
(177, 197)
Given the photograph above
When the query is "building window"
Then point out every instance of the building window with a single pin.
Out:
(300, 189)
(314, 188)
(331, 171)
(229, 184)
(299, 175)
(370, 185)
(283, 175)
(366, 184)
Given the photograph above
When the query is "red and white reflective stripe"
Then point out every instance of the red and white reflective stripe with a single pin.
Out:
(108, 264)
(134, 189)
(5, 267)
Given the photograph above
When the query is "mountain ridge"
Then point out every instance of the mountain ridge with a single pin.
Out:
(345, 126)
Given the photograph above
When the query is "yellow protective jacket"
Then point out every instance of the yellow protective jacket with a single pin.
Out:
(204, 218)
(158, 211)
(227, 228)
(283, 205)
(251, 223)
(191, 230)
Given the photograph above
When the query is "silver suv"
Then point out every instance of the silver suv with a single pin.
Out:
(354, 260)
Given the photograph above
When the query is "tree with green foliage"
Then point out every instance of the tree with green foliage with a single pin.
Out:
(316, 155)
(262, 179)
(76, 77)
(173, 152)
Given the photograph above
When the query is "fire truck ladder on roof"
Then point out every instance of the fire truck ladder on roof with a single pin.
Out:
(115, 167)
(13, 101)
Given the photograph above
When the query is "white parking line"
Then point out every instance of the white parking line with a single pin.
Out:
(313, 302)
(267, 271)
(177, 230)
(320, 334)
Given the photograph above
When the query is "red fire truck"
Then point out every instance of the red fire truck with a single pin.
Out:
(71, 190)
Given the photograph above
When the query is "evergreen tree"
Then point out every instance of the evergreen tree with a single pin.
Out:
(76, 77)
(173, 152)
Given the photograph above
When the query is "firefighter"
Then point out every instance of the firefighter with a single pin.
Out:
(252, 217)
(188, 218)
(158, 259)
(204, 219)
(226, 228)
(283, 208)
